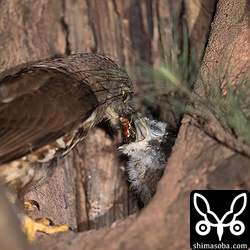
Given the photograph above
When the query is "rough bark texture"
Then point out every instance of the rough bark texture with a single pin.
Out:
(199, 15)
(88, 189)
(227, 56)
(26, 25)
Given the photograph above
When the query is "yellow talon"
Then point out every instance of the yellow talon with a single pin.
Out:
(44, 221)
(30, 227)
(30, 205)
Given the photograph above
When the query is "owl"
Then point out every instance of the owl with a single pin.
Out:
(149, 144)
(45, 110)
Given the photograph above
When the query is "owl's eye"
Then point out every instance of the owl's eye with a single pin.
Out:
(125, 96)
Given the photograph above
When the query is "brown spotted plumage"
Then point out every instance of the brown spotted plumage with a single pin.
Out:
(47, 108)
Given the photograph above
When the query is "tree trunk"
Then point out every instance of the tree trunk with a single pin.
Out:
(88, 189)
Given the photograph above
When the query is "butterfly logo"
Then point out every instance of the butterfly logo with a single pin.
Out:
(203, 227)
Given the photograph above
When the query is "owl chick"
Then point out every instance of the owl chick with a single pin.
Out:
(147, 155)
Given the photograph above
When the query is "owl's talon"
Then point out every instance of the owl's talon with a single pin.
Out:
(30, 227)
(45, 221)
(31, 204)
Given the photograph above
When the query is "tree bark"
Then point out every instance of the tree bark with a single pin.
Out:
(88, 189)
(227, 56)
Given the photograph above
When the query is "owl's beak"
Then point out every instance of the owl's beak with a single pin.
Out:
(140, 126)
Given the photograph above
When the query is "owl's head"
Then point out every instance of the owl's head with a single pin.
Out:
(145, 138)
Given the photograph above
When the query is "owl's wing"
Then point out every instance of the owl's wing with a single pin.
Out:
(37, 107)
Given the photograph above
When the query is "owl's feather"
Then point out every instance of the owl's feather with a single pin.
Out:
(49, 100)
